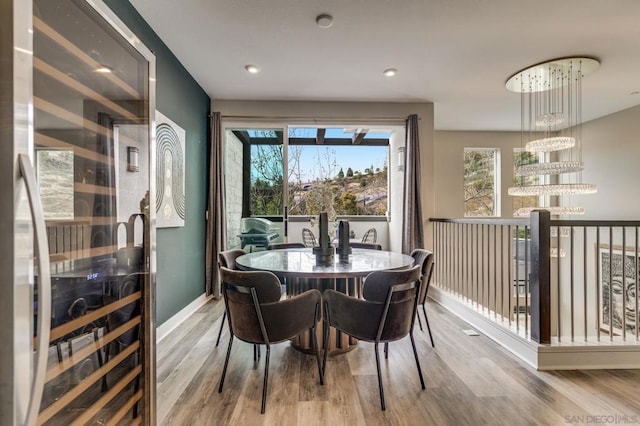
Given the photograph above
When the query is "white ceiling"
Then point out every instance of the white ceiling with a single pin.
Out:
(454, 53)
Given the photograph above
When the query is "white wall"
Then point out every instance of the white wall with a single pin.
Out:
(396, 191)
(610, 151)
(233, 187)
(378, 112)
(449, 168)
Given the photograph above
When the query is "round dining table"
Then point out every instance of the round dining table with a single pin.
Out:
(298, 271)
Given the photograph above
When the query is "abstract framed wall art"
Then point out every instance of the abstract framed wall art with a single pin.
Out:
(170, 170)
(618, 295)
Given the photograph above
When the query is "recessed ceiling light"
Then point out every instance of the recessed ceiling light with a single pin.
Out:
(324, 20)
(103, 69)
(253, 69)
(390, 72)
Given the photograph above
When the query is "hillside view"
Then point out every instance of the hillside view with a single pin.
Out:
(350, 193)
(335, 188)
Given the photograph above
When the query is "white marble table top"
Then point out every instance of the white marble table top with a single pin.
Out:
(301, 263)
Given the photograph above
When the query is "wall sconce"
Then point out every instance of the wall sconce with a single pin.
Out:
(401, 158)
(133, 154)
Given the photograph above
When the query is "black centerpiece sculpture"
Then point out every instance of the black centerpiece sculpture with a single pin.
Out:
(323, 252)
(344, 249)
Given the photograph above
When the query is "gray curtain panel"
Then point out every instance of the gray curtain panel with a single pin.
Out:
(216, 231)
(412, 229)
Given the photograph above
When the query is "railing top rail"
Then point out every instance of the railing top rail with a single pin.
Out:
(593, 223)
(512, 222)
(526, 222)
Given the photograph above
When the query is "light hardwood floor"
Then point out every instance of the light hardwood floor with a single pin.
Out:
(470, 380)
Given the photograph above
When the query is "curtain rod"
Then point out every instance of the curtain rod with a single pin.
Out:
(316, 119)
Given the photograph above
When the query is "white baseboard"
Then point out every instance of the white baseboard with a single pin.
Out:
(557, 356)
(169, 325)
(589, 357)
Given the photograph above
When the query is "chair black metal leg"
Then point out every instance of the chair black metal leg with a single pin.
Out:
(101, 361)
(386, 350)
(136, 386)
(379, 378)
(266, 378)
(415, 353)
(224, 317)
(314, 342)
(419, 322)
(426, 318)
(59, 349)
(326, 338)
(226, 363)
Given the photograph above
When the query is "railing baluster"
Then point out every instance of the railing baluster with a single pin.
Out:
(598, 273)
(474, 249)
(527, 288)
(558, 283)
(482, 266)
(502, 273)
(635, 259)
(495, 277)
(584, 274)
(509, 273)
(571, 283)
(623, 326)
(610, 284)
(517, 286)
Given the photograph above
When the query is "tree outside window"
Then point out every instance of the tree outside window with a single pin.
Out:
(480, 182)
(336, 176)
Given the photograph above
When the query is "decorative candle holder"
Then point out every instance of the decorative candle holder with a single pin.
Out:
(324, 252)
(344, 249)
(324, 256)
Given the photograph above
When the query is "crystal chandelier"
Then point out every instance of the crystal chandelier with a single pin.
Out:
(551, 120)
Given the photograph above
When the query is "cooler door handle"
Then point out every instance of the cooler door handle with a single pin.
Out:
(44, 289)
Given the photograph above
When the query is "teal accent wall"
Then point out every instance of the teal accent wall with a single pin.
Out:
(180, 251)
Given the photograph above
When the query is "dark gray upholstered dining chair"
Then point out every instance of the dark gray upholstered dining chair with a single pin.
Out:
(258, 316)
(424, 258)
(282, 246)
(385, 314)
(369, 246)
(308, 238)
(228, 260)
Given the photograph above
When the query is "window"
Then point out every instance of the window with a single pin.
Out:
(523, 157)
(481, 182)
(55, 181)
(342, 172)
(267, 176)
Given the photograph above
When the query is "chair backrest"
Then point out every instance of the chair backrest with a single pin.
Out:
(366, 246)
(280, 246)
(228, 258)
(371, 236)
(424, 258)
(395, 294)
(243, 291)
(308, 238)
(256, 313)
